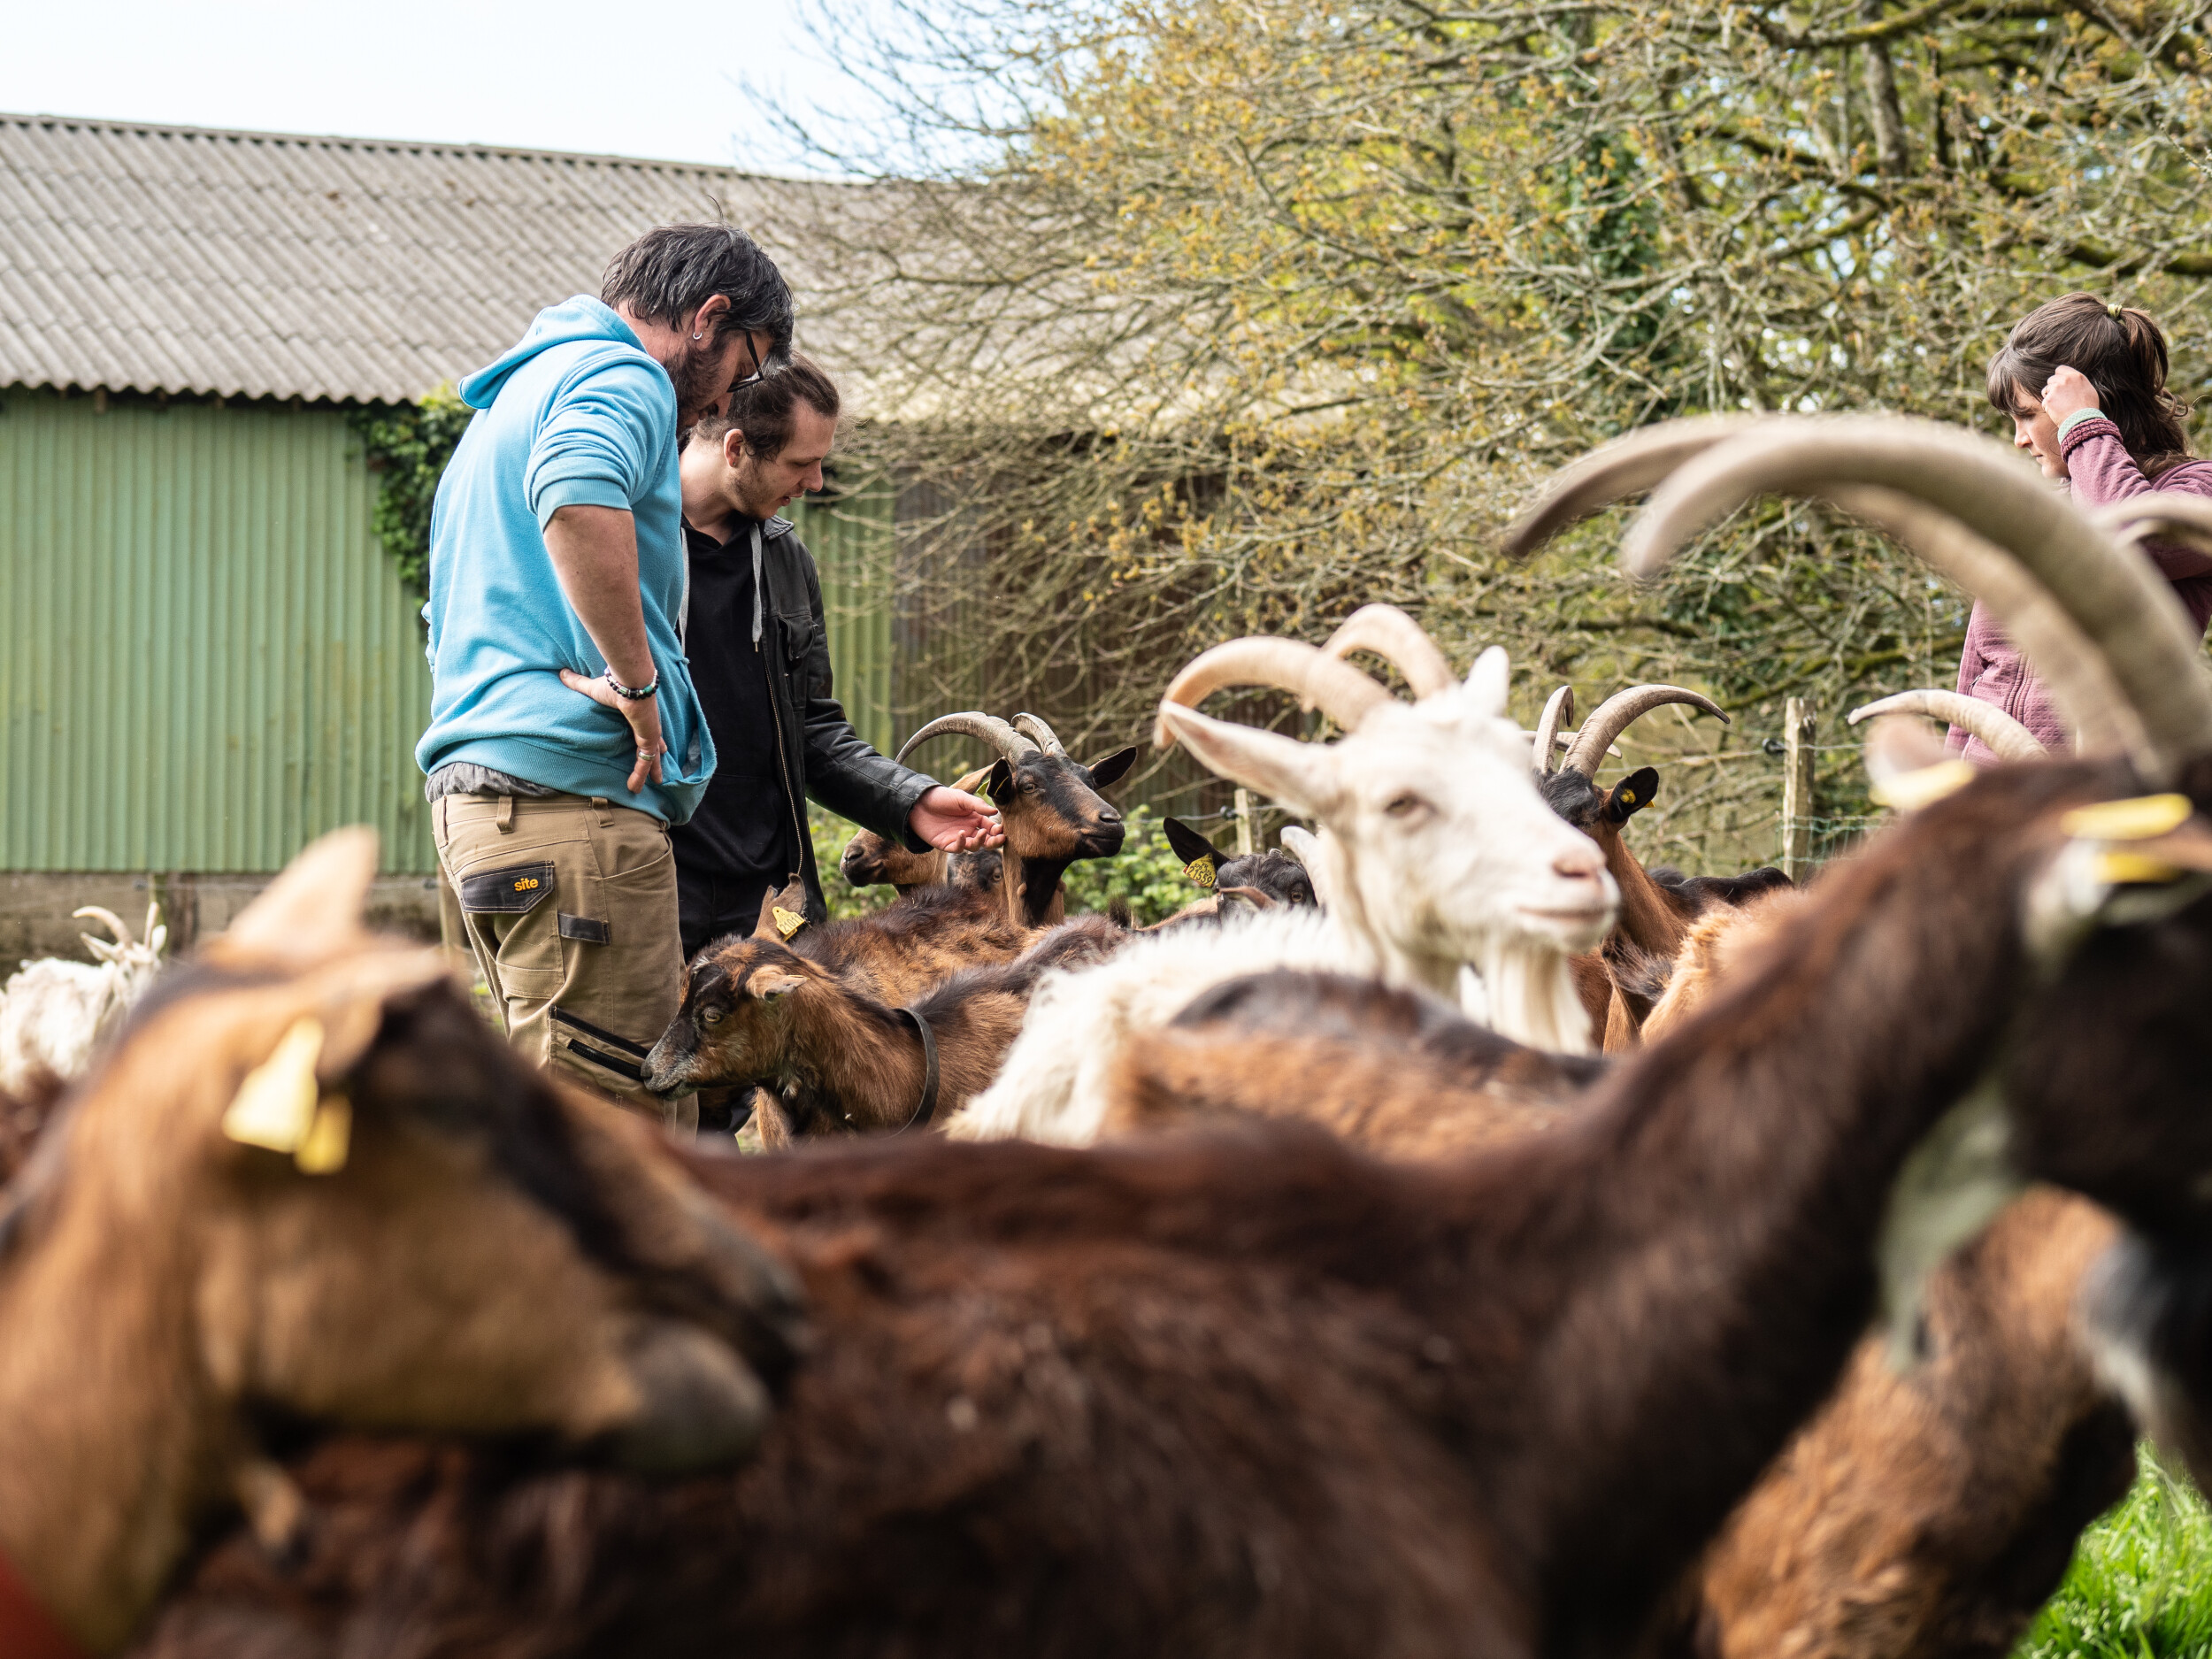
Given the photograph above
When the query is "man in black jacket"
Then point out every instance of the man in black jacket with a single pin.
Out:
(759, 658)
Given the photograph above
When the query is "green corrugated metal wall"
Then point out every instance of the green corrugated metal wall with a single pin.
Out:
(208, 658)
(850, 539)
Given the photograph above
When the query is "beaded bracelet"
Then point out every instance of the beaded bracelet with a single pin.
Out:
(631, 693)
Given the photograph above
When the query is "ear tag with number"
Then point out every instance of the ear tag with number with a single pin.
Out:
(786, 923)
(1910, 791)
(2140, 818)
(1200, 870)
(275, 1105)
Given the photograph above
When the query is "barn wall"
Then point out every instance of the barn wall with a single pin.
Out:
(205, 658)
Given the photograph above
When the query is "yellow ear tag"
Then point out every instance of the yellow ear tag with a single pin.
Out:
(329, 1138)
(787, 924)
(1910, 791)
(1201, 870)
(275, 1105)
(2138, 819)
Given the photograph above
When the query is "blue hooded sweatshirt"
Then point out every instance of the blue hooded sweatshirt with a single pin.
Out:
(575, 415)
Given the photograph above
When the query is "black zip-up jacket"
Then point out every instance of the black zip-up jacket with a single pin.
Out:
(822, 758)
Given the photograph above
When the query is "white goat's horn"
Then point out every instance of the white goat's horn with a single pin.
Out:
(2162, 515)
(2121, 603)
(2079, 675)
(1399, 640)
(1559, 709)
(108, 919)
(971, 723)
(1033, 726)
(1336, 688)
(2005, 736)
(1626, 466)
(1621, 710)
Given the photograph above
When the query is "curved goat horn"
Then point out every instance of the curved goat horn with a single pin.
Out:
(2005, 736)
(2129, 615)
(1559, 711)
(971, 723)
(1626, 466)
(1033, 726)
(2077, 674)
(1337, 688)
(2162, 515)
(1618, 712)
(108, 919)
(1399, 640)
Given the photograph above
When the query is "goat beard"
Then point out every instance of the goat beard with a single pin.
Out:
(1527, 992)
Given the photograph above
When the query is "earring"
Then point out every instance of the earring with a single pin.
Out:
(699, 336)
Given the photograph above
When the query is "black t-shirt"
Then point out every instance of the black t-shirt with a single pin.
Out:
(740, 832)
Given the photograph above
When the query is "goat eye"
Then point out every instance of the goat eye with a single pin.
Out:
(1406, 806)
(713, 1016)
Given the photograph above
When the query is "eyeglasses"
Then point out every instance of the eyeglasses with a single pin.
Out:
(758, 373)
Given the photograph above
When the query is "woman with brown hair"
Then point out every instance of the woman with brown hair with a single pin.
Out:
(2085, 382)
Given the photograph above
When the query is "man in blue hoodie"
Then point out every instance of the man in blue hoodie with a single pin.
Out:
(557, 567)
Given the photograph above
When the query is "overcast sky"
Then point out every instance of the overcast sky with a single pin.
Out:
(647, 79)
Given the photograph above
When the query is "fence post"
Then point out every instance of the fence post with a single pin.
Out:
(1244, 823)
(1797, 787)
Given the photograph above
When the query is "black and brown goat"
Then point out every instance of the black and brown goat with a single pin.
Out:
(303, 1187)
(1657, 905)
(895, 954)
(1049, 805)
(1257, 1392)
(836, 1060)
(1262, 879)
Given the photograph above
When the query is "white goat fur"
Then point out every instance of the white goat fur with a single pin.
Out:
(55, 1014)
(1437, 852)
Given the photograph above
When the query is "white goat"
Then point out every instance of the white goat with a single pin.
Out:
(55, 1014)
(1436, 851)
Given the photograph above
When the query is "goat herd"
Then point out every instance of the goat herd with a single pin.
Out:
(1361, 1307)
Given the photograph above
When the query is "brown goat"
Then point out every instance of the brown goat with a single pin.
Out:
(840, 1061)
(1049, 805)
(1923, 1514)
(1257, 1392)
(895, 954)
(448, 1242)
(870, 860)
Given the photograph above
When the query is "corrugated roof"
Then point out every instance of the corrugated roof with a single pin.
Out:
(247, 264)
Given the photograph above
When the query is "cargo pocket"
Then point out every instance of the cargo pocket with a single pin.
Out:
(506, 909)
(598, 1046)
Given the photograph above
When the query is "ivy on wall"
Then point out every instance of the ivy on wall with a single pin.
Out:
(408, 446)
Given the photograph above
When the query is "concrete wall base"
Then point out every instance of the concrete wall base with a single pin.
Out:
(35, 906)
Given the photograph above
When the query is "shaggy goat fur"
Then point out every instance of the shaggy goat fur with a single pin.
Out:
(1258, 1393)
(894, 953)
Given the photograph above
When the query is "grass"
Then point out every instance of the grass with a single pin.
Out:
(2140, 1585)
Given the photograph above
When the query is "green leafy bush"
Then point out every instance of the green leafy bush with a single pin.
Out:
(2140, 1585)
(829, 834)
(408, 447)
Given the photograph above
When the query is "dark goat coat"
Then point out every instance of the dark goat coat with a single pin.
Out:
(1257, 1394)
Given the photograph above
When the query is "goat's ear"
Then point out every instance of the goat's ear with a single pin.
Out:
(1302, 776)
(768, 983)
(1631, 796)
(1188, 844)
(310, 913)
(998, 783)
(1107, 773)
(1489, 680)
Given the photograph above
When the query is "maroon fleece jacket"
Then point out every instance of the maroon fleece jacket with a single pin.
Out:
(2101, 472)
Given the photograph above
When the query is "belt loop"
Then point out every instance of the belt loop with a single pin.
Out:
(606, 812)
(506, 819)
(437, 820)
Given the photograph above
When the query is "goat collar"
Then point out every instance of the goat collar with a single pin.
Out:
(929, 1068)
(28, 1630)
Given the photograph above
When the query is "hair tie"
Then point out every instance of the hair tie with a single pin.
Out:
(2113, 311)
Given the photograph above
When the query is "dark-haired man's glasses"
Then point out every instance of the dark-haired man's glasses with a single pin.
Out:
(758, 373)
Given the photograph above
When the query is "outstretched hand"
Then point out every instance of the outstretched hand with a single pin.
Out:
(954, 821)
(2068, 392)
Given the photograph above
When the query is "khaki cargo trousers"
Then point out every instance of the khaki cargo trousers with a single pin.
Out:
(570, 905)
